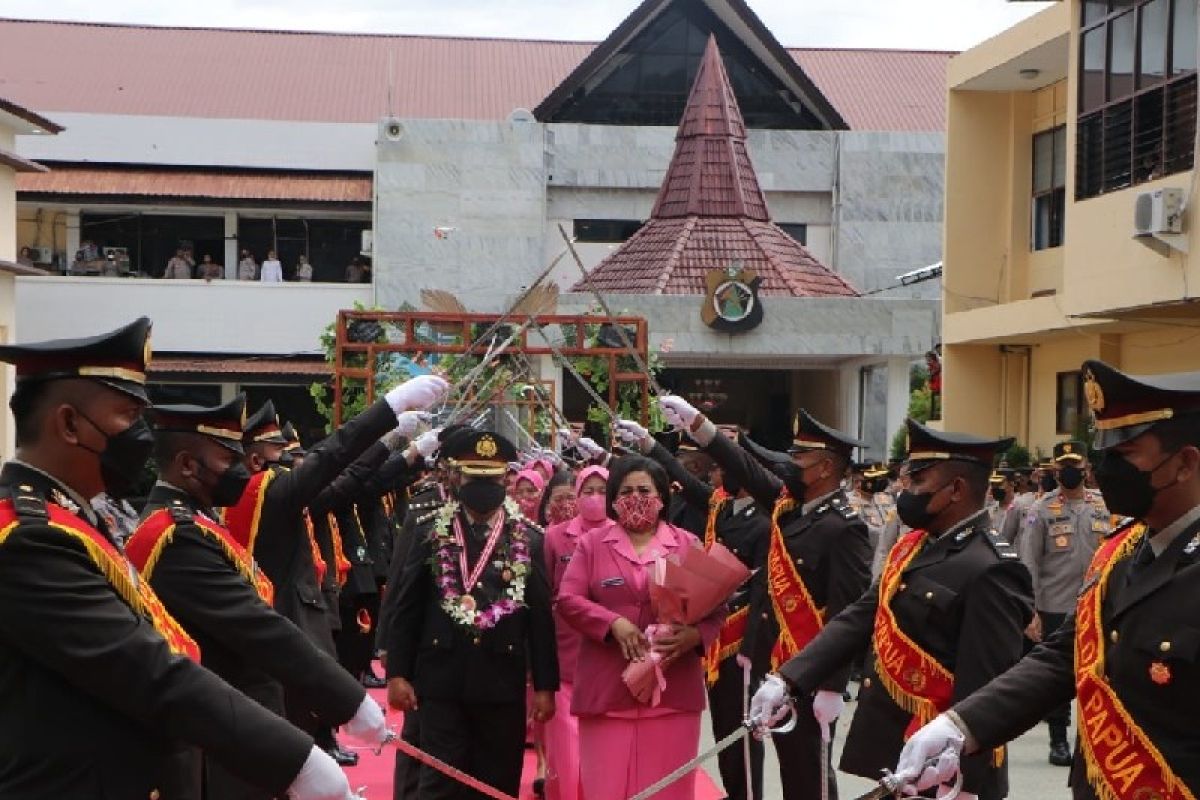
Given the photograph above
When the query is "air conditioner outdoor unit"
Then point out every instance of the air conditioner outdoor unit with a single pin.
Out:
(1159, 211)
(368, 241)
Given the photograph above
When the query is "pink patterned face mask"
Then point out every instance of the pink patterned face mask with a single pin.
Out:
(636, 511)
(591, 507)
(528, 506)
(561, 510)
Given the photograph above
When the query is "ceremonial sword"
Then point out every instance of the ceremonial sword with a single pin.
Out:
(890, 785)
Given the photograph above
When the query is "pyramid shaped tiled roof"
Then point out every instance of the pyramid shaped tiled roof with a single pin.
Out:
(711, 212)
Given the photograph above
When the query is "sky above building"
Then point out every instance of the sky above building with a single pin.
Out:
(916, 24)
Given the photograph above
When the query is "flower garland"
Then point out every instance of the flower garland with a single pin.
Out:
(511, 558)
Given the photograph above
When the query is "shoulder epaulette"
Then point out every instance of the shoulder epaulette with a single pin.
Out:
(30, 506)
(844, 509)
(1122, 525)
(426, 517)
(1000, 546)
(180, 513)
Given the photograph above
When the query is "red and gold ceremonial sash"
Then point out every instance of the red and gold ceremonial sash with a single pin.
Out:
(145, 546)
(1121, 760)
(320, 568)
(243, 518)
(798, 616)
(729, 639)
(115, 568)
(341, 563)
(913, 678)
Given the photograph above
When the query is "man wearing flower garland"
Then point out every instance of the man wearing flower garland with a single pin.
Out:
(472, 616)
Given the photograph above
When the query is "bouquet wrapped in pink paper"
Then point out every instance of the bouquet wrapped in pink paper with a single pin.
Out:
(685, 589)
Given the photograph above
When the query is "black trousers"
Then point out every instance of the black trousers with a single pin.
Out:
(485, 740)
(725, 705)
(1060, 718)
(799, 754)
(407, 772)
(356, 649)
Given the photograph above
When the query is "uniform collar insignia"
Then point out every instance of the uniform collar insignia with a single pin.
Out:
(59, 497)
(1192, 546)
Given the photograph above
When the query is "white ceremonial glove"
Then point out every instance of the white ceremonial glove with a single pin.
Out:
(632, 433)
(742, 661)
(770, 702)
(682, 415)
(939, 742)
(410, 422)
(320, 779)
(427, 443)
(417, 394)
(827, 706)
(589, 448)
(369, 724)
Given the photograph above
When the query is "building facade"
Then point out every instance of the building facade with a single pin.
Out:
(462, 158)
(1070, 147)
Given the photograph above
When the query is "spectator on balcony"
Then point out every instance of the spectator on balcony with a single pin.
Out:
(272, 270)
(180, 267)
(304, 270)
(210, 269)
(25, 257)
(247, 267)
(356, 271)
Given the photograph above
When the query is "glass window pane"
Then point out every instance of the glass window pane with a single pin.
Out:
(1094, 10)
(1183, 45)
(1043, 162)
(1060, 157)
(1120, 64)
(1154, 42)
(1091, 94)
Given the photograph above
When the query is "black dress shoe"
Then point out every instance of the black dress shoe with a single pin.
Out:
(372, 681)
(539, 787)
(344, 758)
(1060, 754)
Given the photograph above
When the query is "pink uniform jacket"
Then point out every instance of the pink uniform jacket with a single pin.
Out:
(561, 540)
(606, 580)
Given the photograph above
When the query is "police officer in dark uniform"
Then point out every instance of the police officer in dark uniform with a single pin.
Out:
(823, 562)
(472, 619)
(945, 617)
(213, 587)
(1130, 653)
(269, 517)
(734, 519)
(97, 682)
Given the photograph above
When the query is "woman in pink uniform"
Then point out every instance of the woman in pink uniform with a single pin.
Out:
(527, 491)
(605, 595)
(562, 733)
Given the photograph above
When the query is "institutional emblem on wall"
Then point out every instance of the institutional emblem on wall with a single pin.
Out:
(731, 304)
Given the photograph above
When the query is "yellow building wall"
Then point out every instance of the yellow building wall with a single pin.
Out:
(1065, 354)
(1165, 349)
(8, 201)
(42, 227)
(971, 389)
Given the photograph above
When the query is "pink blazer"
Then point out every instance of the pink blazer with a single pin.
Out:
(561, 540)
(606, 580)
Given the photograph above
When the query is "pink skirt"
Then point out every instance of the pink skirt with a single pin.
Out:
(626, 753)
(562, 750)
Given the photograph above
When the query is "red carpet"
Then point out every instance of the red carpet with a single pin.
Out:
(374, 773)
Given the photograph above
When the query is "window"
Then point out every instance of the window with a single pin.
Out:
(1068, 403)
(605, 230)
(1137, 93)
(1049, 187)
(796, 230)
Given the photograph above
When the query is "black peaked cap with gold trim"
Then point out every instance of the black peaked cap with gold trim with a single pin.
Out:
(1070, 451)
(223, 423)
(293, 445)
(116, 359)
(263, 426)
(874, 470)
(478, 453)
(809, 434)
(1124, 406)
(927, 447)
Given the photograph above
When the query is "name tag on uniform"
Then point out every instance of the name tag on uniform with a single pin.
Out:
(609, 583)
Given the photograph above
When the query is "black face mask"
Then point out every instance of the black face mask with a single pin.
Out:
(730, 484)
(1048, 483)
(793, 479)
(123, 457)
(230, 483)
(877, 485)
(1128, 491)
(998, 494)
(286, 460)
(913, 509)
(1070, 477)
(481, 497)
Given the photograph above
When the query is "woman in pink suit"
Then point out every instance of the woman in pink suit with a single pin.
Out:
(605, 595)
(562, 733)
